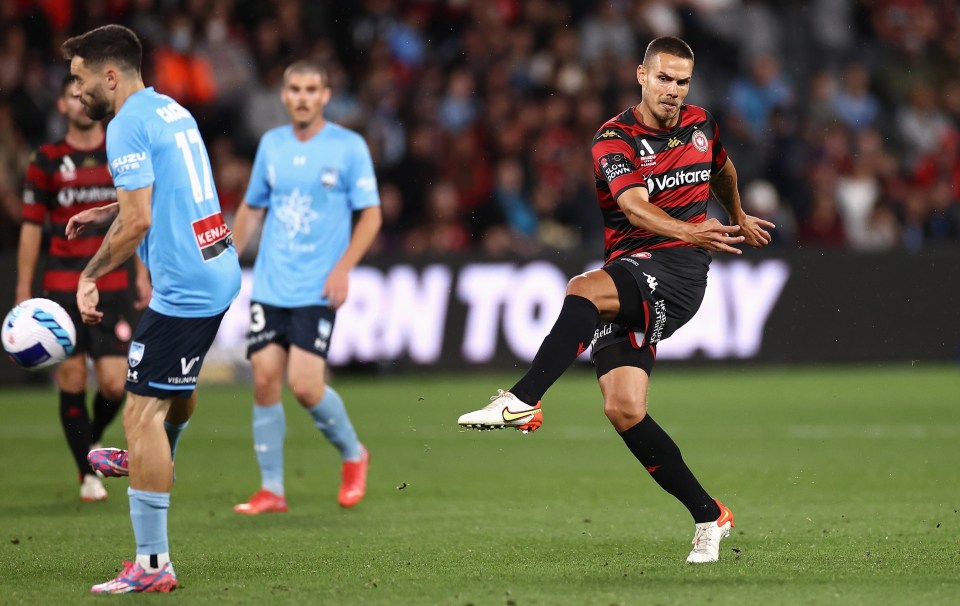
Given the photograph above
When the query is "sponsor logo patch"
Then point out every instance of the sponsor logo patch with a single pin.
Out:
(603, 331)
(212, 235)
(187, 365)
(614, 165)
(127, 162)
(676, 179)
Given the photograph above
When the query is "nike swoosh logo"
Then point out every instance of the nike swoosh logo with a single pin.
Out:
(509, 415)
(725, 516)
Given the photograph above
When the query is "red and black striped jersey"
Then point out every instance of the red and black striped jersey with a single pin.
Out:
(61, 181)
(675, 165)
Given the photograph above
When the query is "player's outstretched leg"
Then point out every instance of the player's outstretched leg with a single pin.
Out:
(108, 462)
(135, 579)
(504, 410)
(570, 336)
(707, 537)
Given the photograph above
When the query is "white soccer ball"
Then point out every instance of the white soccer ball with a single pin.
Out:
(38, 333)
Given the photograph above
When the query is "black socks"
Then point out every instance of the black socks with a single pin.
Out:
(569, 337)
(76, 427)
(661, 456)
(104, 411)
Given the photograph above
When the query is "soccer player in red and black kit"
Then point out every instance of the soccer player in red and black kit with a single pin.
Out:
(64, 178)
(655, 166)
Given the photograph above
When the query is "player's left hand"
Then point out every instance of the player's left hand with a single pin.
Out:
(753, 232)
(88, 297)
(335, 290)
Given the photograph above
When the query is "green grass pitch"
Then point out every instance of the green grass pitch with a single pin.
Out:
(845, 484)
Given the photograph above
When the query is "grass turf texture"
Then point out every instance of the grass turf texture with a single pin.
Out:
(843, 482)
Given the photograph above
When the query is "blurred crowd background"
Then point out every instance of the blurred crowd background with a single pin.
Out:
(842, 116)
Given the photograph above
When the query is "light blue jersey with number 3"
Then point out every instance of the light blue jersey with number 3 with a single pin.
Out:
(189, 250)
(310, 190)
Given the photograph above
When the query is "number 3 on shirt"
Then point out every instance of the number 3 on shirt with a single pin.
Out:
(184, 139)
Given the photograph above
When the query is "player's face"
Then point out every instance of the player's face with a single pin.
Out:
(665, 82)
(92, 88)
(305, 95)
(71, 107)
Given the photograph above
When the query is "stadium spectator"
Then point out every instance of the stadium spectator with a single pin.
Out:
(493, 67)
(854, 104)
(754, 97)
(312, 176)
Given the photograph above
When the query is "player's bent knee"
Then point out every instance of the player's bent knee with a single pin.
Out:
(266, 389)
(72, 375)
(307, 392)
(582, 286)
(624, 412)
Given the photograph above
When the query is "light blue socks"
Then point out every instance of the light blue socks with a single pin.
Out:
(330, 417)
(173, 435)
(148, 512)
(269, 430)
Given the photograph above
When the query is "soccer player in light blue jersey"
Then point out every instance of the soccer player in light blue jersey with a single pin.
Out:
(313, 176)
(167, 210)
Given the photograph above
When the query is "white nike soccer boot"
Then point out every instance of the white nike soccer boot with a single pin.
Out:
(706, 539)
(505, 410)
(92, 489)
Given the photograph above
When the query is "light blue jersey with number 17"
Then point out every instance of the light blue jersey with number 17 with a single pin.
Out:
(310, 189)
(189, 250)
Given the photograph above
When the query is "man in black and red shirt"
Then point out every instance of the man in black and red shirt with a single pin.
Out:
(64, 178)
(655, 166)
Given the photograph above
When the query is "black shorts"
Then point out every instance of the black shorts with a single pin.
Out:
(309, 328)
(167, 353)
(659, 292)
(111, 336)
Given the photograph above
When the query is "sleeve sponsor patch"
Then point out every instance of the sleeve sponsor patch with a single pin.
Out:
(614, 165)
(212, 235)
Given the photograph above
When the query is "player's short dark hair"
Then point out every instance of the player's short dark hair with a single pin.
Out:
(114, 43)
(306, 66)
(668, 45)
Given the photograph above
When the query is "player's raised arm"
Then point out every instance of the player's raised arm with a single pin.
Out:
(710, 235)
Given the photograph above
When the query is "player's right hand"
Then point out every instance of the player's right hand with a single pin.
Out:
(87, 299)
(715, 236)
